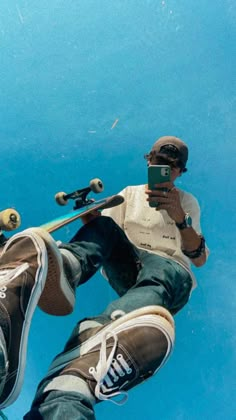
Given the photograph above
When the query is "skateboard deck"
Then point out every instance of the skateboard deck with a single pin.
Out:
(70, 217)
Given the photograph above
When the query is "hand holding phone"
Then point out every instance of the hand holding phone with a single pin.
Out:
(157, 174)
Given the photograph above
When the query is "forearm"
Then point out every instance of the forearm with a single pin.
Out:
(191, 241)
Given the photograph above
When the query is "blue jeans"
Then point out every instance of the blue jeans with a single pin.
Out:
(139, 278)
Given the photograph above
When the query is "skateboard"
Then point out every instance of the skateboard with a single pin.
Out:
(83, 204)
(9, 220)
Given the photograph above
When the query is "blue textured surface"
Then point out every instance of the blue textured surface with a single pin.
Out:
(86, 87)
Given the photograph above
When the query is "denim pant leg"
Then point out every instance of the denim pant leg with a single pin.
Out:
(103, 243)
(58, 405)
(160, 281)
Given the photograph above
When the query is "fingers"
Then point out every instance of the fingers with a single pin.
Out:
(161, 198)
(164, 200)
(91, 216)
(167, 185)
(160, 188)
(159, 194)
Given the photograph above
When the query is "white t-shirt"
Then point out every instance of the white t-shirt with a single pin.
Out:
(153, 230)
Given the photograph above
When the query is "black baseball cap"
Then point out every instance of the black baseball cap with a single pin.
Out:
(171, 147)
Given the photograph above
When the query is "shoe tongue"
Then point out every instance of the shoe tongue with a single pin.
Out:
(4, 325)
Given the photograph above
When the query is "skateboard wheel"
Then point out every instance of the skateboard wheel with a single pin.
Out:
(60, 198)
(96, 185)
(9, 219)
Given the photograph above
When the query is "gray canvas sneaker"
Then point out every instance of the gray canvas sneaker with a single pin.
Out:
(23, 271)
(115, 357)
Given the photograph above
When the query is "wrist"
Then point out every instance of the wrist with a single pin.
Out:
(198, 252)
(185, 223)
(180, 217)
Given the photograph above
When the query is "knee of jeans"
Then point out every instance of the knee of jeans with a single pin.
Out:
(139, 297)
(105, 220)
(157, 295)
(183, 297)
(105, 224)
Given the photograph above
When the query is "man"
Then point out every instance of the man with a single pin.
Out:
(145, 253)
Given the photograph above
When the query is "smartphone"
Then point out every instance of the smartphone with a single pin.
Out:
(156, 175)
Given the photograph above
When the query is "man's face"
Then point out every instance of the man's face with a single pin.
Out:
(175, 173)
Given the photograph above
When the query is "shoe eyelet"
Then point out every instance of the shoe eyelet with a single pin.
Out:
(2, 292)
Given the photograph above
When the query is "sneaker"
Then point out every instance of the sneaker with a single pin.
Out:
(23, 270)
(58, 297)
(120, 355)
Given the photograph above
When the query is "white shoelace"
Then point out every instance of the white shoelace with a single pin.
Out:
(8, 275)
(108, 371)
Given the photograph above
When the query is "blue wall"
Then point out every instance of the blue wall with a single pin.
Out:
(68, 71)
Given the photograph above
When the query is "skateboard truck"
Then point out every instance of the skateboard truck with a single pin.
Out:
(80, 196)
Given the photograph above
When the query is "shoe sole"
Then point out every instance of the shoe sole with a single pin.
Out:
(166, 325)
(35, 294)
(58, 297)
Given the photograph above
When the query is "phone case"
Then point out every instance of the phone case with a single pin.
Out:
(156, 175)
